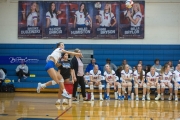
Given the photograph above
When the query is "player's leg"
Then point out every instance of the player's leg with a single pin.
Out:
(136, 90)
(176, 86)
(118, 85)
(170, 86)
(162, 90)
(129, 84)
(100, 90)
(148, 90)
(124, 85)
(58, 102)
(91, 90)
(107, 90)
(144, 91)
(158, 91)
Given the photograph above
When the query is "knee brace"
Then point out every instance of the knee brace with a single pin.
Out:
(108, 86)
(170, 85)
(158, 86)
(176, 88)
(119, 85)
(129, 88)
(100, 87)
(136, 85)
(53, 82)
(91, 87)
(144, 86)
(148, 87)
(62, 80)
(163, 86)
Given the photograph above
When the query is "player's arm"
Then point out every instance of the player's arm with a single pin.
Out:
(114, 22)
(157, 79)
(35, 21)
(75, 20)
(24, 14)
(91, 78)
(72, 53)
(149, 80)
(73, 75)
(134, 21)
(47, 22)
(90, 21)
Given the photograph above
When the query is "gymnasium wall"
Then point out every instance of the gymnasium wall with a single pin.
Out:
(162, 25)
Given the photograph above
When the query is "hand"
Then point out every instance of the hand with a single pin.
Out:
(75, 79)
(58, 12)
(72, 81)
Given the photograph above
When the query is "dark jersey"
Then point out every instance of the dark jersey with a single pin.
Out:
(65, 69)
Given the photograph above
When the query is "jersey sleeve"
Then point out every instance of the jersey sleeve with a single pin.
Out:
(100, 13)
(113, 73)
(99, 72)
(34, 16)
(76, 13)
(90, 73)
(143, 74)
(139, 15)
(112, 16)
(122, 73)
(105, 74)
(134, 74)
(48, 15)
(170, 74)
(148, 75)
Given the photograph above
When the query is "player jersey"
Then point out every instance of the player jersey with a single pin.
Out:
(56, 54)
(106, 18)
(109, 76)
(30, 19)
(176, 75)
(137, 75)
(80, 17)
(95, 76)
(137, 15)
(165, 76)
(53, 20)
(127, 75)
(152, 77)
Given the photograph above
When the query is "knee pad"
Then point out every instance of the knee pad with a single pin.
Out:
(148, 87)
(170, 85)
(176, 88)
(144, 86)
(108, 86)
(136, 86)
(62, 80)
(91, 87)
(163, 86)
(100, 87)
(53, 82)
(158, 86)
(129, 88)
(119, 85)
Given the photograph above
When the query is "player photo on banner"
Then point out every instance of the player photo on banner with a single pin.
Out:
(55, 15)
(105, 25)
(30, 19)
(131, 24)
(80, 19)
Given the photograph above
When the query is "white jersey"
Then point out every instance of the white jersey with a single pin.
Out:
(30, 19)
(128, 74)
(166, 76)
(106, 18)
(95, 76)
(54, 20)
(176, 75)
(110, 76)
(137, 15)
(2, 74)
(137, 75)
(152, 77)
(80, 17)
(56, 54)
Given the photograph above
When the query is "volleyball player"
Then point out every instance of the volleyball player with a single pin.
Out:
(126, 76)
(105, 17)
(52, 59)
(51, 15)
(176, 78)
(33, 15)
(95, 80)
(166, 77)
(81, 17)
(110, 77)
(152, 78)
(139, 81)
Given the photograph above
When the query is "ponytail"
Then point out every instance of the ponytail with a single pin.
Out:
(141, 75)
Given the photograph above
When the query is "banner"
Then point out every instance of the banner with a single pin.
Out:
(30, 19)
(132, 20)
(55, 16)
(80, 19)
(105, 25)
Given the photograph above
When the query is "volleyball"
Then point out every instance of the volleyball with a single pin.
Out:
(129, 3)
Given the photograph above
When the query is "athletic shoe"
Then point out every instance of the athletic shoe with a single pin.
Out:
(122, 97)
(39, 88)
(92, 97)
(58, 102)
(119, 97)
(85, 99)
(170, 97)
(129, 97)
(148, 98)
(162, 97)
(66, 95)
(143, 98)
(158, 97)
(137, 98)
(65, 102)
(101, 99)
(107, 98)
(176, 99)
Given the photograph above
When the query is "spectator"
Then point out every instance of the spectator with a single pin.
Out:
(157, 65)
(141, 62)
(22, 71)
(148, 67)
(112, 65)
(91, 65)
(2, 77)
(124, 62)
(134, 69)
(118, 71)
(170, 63)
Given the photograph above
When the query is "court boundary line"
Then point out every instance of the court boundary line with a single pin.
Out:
(63, 113)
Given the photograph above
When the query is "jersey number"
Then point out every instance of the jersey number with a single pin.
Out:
(106, 17)
(80, 16)
(109, 77)
(166, 78)
(152, 79)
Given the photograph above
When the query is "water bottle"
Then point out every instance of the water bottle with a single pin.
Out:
(132, 96)
(115, 95)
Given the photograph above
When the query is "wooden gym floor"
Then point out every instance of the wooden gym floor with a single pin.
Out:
(33, 106)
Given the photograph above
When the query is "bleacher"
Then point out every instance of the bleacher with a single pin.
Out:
(132, 53)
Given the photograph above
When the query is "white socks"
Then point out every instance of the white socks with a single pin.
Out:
(43, 85)
(64, 91)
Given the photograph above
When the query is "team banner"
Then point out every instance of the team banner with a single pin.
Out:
(80, 19)
(131, 24)
(30, 19)
(55, 16)
(105, 25)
